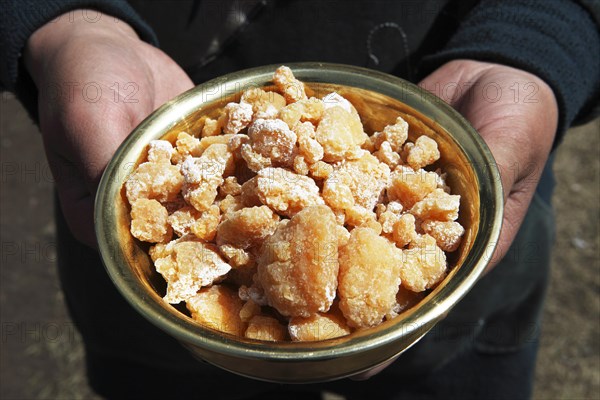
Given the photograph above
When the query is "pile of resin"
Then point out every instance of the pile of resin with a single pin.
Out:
(281, 219)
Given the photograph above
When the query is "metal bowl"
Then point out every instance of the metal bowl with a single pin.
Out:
(379, 98)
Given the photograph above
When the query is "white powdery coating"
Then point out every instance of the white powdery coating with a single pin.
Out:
(338, 195)
(309, 147)
(272, 125)
(254, 160)
(285, 191)
(160, 150)
(335, 100)
(202, 169)
(161, 145)
(240, 115)
(330, 293)
(273, 138)
(185, 281)
(191, 171)
(395, 207)
(161, 179)
(294, 330)
(438, 205)
(387, 155)
(182, 220)
(153, 180)
(367, 187)
(396, 134)
(269, 113)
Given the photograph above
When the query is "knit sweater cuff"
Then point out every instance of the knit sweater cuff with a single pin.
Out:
(555, 40)
(20, 18)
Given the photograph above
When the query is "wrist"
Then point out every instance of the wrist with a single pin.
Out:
(76, 26)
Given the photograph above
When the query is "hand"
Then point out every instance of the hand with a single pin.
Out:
(516, 114)
(96, 82)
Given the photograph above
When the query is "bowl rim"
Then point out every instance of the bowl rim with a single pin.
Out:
(433, 310)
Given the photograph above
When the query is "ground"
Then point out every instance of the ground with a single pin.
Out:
(41, 355)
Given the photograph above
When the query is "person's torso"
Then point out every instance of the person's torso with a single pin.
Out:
(210, 38)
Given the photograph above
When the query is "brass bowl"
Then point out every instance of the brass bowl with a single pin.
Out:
(379, 98)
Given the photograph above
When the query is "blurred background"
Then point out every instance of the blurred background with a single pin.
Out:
(41, 355)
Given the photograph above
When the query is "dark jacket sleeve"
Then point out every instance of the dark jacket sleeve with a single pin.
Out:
(557, 40)
(20, 18)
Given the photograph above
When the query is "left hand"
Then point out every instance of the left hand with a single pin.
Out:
(517, 115)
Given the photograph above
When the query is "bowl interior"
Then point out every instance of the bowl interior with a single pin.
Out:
(379, 99)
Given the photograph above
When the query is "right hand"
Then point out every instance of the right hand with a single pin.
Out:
(96, 82)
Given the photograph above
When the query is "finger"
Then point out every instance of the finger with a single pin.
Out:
(76, 202)
(515, 208)
(453, 79)
(79, 214)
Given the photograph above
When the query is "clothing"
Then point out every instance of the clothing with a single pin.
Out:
(493, 329)
(554, 39)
